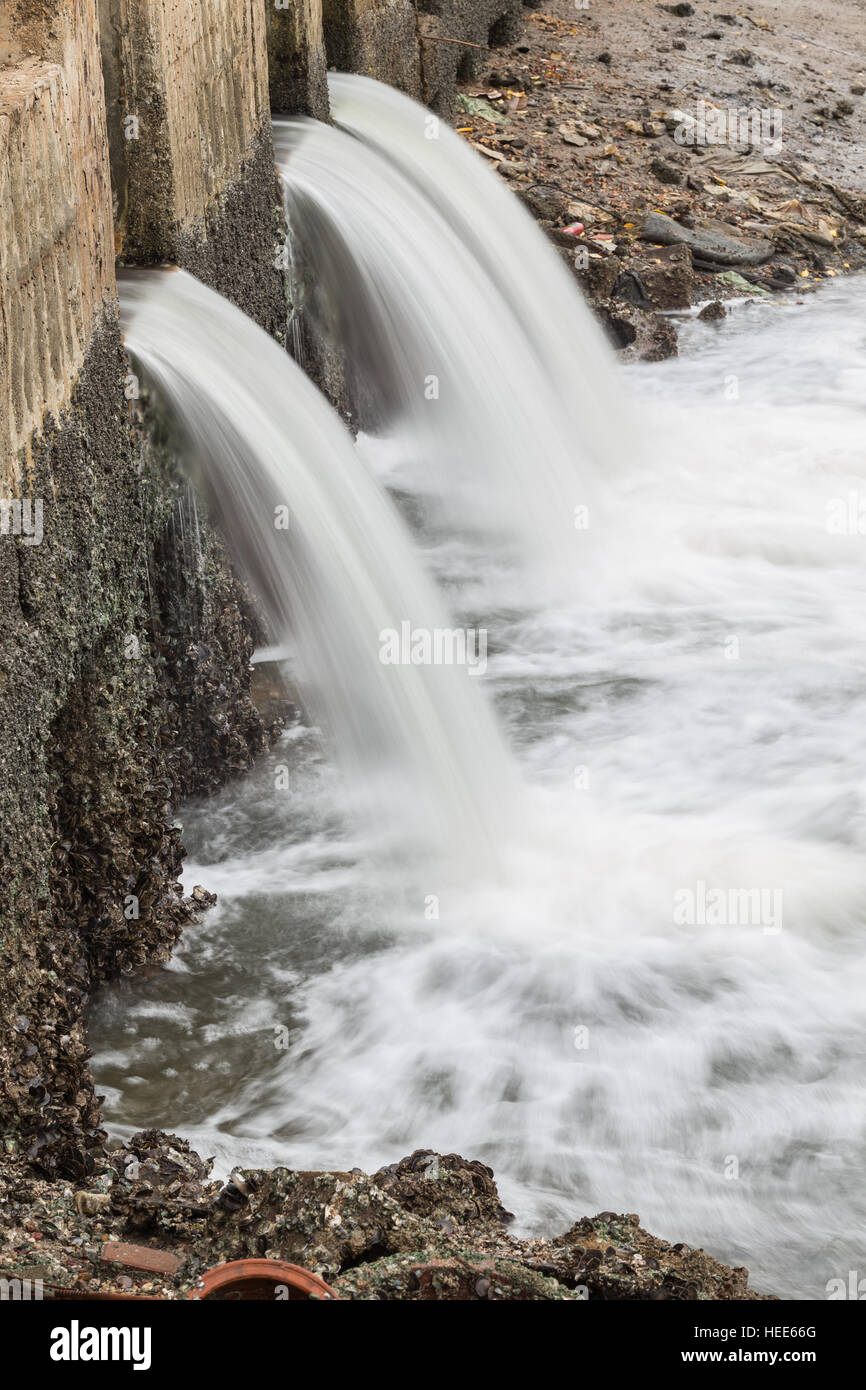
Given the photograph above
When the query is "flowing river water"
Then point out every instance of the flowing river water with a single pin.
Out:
(651, 996)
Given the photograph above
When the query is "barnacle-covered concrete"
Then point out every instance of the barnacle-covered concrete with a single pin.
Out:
(124, 652)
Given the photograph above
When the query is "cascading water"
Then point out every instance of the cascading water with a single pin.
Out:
(587, 1027)
(472, 358)
(551, 319)
(329, 555)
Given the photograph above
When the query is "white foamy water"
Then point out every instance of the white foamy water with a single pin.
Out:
(334, 564)
(717, 706)
(651, 998)
(471, 355)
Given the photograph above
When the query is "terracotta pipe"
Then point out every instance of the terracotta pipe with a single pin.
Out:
(260, 1279)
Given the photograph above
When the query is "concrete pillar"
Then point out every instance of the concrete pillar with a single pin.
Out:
(480, 24)
(377, 38)
(191, 153)
(296, 57)
(56, 245)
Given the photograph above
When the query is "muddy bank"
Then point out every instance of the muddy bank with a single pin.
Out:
(681, 154)
(429, 1227)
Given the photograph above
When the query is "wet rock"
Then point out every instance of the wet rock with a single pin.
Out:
(630, 287)
(713, 311)
(667, 277)
(639, 334)
(666, 1272)
(547, 204)
(598, 276)
(740, 284)
(449, 1280)
(712, 242)
(428, 1227)
(443, 1187)
(784, 272)
(666, 172)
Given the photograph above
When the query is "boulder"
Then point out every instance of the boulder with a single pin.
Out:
(711, 241)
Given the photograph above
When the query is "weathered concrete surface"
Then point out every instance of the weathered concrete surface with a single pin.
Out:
(478, 24)
(191, 153)
(112, 652)
(420, 46)
(376, 38)
(109, 712)
(56, 257)
(297, 63)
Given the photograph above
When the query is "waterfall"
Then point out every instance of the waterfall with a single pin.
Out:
(329, 555)
(470, 352)
(690, 722)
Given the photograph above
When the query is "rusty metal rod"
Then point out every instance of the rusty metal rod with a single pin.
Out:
(464, 43)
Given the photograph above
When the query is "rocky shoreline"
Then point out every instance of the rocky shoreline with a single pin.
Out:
(679, 155)
(150, 1223)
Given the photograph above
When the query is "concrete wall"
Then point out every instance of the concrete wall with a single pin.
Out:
(485, 23)
(109, 710)
(377, 38)
(56, 250)
(420, 46)
(191, 153)
(141, 128)
(296, 57)
(188, 97)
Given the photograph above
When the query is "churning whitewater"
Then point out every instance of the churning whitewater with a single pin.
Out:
(649, 994)
(458, 363)
(334, 564)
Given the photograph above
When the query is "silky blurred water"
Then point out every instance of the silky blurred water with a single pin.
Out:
(702, 720)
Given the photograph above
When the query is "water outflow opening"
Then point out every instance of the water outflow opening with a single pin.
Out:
(382, 666)
(469, 350)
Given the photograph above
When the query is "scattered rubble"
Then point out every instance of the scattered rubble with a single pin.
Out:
(429, 1227)
(682, 138)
